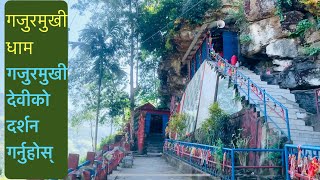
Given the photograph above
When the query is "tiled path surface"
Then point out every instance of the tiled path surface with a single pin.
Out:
(149, 168)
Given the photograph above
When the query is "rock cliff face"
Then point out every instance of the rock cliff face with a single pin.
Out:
(273, 52)
(172, 72)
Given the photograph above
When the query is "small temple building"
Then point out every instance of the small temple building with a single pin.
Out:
(149, 129)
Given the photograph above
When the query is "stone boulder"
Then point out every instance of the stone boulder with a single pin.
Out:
(303, 74)
(259, 9)
(281, 65)
(313, 37)
(306, 99)
(262, 33)
(282, 48)
(186, 35)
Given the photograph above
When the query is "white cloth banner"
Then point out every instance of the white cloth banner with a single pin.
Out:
(191, 99)
(199, 95)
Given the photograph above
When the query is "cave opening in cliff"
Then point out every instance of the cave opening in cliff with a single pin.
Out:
(225, 42)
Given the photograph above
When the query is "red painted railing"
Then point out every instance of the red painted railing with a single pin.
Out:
(97, 165)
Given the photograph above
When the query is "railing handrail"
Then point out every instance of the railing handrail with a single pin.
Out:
(203, 163)
(296, 152)
(307, 147)
(265, 93)
(228, 149)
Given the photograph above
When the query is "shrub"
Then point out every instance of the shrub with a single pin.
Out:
(312, 6)
(311, 51)
(177, 124)
(217, 126)
(242, 143)
(245, 39)
(238, 14)
(302, 27)
(107, 140)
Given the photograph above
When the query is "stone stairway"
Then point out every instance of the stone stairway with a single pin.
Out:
(300, 133)
(154, 143)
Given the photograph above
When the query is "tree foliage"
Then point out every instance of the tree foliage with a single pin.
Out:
(99, 47)
(177, 124)
(148, 84)
(158, 20)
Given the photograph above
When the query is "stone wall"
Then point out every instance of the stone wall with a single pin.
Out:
(276, 55)
(261, 136)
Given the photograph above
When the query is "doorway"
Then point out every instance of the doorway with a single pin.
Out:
(156, 124)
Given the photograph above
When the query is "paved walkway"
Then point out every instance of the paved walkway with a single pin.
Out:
(149, 168)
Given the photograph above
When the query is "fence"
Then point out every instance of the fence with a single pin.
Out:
(302, 162)
(272, 110)
(97, 165)
(225, 163)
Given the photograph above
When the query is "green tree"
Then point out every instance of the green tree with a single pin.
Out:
(99, 47)
(148, 79)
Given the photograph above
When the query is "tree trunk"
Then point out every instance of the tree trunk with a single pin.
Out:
(98, 106)
(137, 50)
(137, 65)
(131, 73)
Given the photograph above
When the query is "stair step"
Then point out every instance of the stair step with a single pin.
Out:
(300, 133)
(292, 127)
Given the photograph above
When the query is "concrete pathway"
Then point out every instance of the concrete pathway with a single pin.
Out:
(149, 168)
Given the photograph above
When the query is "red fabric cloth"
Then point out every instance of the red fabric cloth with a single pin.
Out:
(234, 60)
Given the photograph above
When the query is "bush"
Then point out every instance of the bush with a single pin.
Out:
(245, 39)
(312, 6)
(217, 126)
(177, 124)
(302, 27)
(280, 5)
(311, 51)
(107, 140)
(238, 14)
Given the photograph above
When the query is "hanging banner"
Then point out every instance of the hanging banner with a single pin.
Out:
(200, 94)
(207, 92)
(191, 99)
(36, 89)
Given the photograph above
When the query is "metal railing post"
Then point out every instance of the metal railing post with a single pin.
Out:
(232, 165)
(286, 162)
(265, 105)
(283, 161)
(248, 90)
(288, 125)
